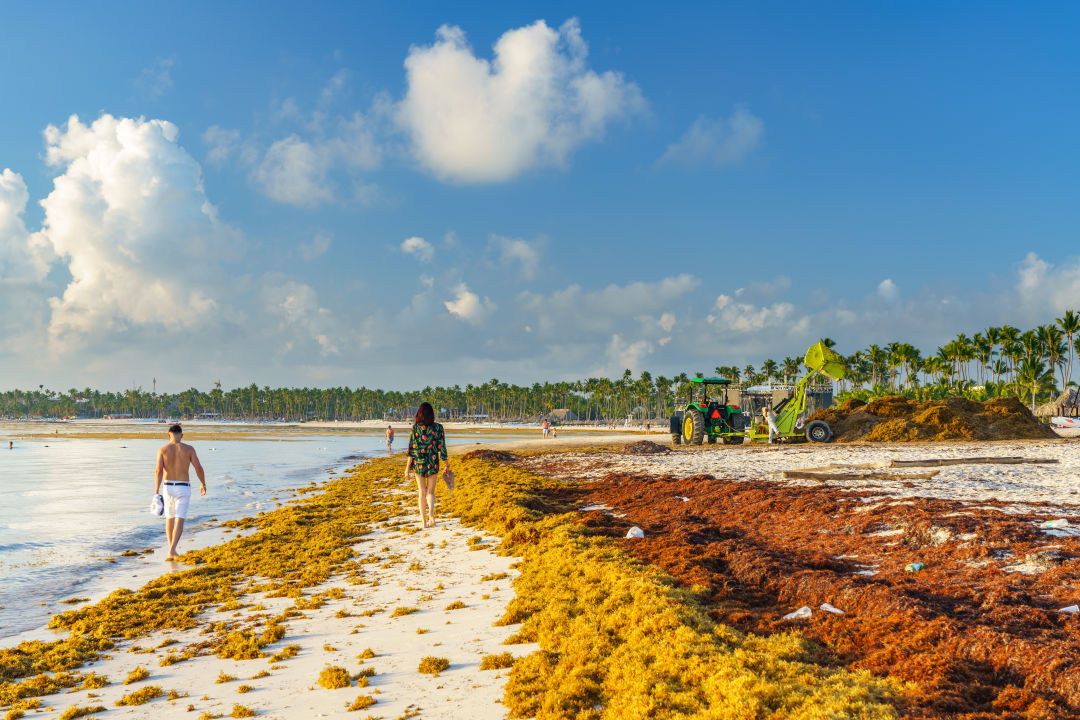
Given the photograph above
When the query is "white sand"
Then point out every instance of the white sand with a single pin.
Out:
(291, 691)
(1056, 484)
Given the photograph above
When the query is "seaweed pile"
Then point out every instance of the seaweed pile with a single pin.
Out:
(895, 418)
(496, 456)
(977, 633)
(645, 447)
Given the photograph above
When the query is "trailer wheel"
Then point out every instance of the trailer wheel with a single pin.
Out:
(693, 427)
(732, 440)
(818, 431)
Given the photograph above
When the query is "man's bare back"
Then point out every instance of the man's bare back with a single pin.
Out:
(174, 458)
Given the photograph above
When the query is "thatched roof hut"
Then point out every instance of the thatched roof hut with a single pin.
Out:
(1068, 403)
(562, 415)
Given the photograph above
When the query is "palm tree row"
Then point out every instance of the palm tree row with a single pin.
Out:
(1032, 365)
(996, 361)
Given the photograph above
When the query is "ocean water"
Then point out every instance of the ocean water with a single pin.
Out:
(71, 502)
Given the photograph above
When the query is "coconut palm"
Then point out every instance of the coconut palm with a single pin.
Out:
(748, 375)
(1033, 374)
(791, 368)
(1070, 325)
(769, 368)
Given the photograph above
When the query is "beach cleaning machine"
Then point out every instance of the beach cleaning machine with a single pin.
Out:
(708, 420)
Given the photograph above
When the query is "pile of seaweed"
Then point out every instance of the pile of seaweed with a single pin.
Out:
(645, 447)
(895, 418)
(490, 455)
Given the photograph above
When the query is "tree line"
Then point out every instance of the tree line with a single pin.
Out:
(1032, 365)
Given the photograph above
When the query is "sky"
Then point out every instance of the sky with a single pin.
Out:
(400, 195)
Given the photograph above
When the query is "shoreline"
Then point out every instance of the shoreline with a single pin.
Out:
(458, 586)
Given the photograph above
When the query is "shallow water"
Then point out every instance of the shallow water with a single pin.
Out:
(70, 503)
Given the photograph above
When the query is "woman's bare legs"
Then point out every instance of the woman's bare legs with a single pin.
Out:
(421, 498)
(429, 486)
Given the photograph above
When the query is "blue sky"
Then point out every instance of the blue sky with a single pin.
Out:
(666, 189)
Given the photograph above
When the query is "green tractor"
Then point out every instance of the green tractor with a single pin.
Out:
(708, 420)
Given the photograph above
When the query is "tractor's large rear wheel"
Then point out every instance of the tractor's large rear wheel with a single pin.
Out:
(693, 427)
(818, 431)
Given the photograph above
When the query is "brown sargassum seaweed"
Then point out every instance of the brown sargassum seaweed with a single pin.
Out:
(971, 636)
(896, 418)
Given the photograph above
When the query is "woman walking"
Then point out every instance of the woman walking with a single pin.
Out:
(426, 445)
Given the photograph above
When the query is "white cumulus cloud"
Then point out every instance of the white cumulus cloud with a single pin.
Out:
(603, 310)
(515, 251)
(623, 354)
(888, 291)
(718, 142)
(21, 257)
(728, 313)
(468, 306)
(534, 103)
(1043, 288)
(300, 317)
(221, 144)
(130, 218)
(299, 171)
(419, 248)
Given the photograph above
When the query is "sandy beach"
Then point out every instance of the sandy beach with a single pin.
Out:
(426, 572)
(536, 563)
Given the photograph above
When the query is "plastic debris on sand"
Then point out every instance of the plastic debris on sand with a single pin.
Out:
(801, 613)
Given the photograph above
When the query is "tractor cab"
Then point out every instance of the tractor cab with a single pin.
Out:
(708, 419)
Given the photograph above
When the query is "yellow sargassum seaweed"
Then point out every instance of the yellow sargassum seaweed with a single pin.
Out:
(292, 548)
(620, 640)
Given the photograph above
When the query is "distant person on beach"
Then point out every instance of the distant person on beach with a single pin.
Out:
(770, 418)
(11, 445)
(427, 444)
(173, 460)
(389, 437)
(545, 426)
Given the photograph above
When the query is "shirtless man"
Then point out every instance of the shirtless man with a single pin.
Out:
(389, 434)
(172, 462)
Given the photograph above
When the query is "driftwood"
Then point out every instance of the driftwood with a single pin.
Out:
(1000, 460)
(794, 474)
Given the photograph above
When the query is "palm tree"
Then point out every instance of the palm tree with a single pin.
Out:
(1070, 325)
(1055, 349)
(791, 368)
(769, 368)
(1010, 342)
(1033, 374)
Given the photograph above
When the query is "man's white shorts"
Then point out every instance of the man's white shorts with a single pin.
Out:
(176, 500)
